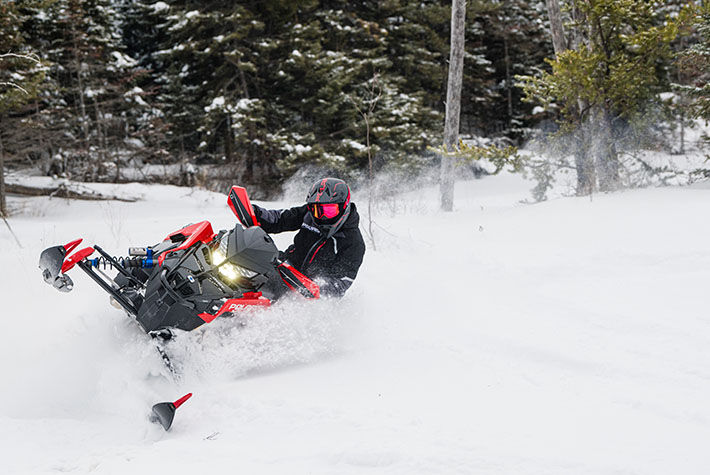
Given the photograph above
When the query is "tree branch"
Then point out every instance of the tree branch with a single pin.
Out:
(34, 58)
(12, 84)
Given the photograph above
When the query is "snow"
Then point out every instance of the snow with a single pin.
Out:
(160, 7)
(245, 104)
(569, 336)
(135, 94)
(217, 104)
(134, 142)
(93, 92)
(298, 148)
(356, 145)
(123, 60)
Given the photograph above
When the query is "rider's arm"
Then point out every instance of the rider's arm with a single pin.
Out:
(343, 273)
(280, 220)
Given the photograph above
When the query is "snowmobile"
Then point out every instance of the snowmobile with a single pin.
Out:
(189, 279)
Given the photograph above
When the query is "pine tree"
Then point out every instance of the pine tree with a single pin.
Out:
(694, 64)
(265, 88)
(516, 41)
(90, 97)
(143, 31)
(207, 72)
(21, 76)
(606, 83)
(277, 85)
(341, 53)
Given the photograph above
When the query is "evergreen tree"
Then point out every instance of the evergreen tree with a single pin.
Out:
(694, 64)
(613, 75)
(264, 88)
(516, 41)
(278, 85)
(332, 68)
(91, 83)
(21, 76)
(209, 81)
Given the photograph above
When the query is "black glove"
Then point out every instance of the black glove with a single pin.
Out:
(284, 255)
(333, 287)
(258, 211)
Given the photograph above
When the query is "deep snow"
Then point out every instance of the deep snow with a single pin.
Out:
(570, 336)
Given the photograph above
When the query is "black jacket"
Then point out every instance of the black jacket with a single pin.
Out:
(333, 262)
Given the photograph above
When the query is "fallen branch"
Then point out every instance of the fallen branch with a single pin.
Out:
(63, 191)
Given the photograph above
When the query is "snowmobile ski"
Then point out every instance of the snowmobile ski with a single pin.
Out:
(164, 412)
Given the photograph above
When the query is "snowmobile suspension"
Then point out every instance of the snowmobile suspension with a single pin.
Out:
(105, 261)
(107, 283)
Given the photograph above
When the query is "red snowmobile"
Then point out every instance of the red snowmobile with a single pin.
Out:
(192, 277)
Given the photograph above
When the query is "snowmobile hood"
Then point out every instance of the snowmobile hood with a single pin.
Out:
(252, 248)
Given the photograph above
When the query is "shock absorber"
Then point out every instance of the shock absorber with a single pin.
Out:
(138, 257)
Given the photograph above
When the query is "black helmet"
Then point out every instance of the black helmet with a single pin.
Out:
(329, 204)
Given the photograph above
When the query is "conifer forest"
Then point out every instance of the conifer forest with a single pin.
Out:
(212, 93)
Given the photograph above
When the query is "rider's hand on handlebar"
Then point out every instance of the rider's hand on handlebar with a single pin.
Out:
(258, 211)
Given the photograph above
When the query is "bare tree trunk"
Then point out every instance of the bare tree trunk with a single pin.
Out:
(556, 27)
(681, 103)
(99, 170)
(249, 167)
(370, 176)
(586, 173)
(249, 156)
(607, 156)
(3, 206)
(453, 102)
(682, 125)
(508, 84)
(229, 140)
(371, 100)
(80, 87)
(577, 39)
(583, 160)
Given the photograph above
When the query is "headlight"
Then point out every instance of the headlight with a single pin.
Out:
(228, 270)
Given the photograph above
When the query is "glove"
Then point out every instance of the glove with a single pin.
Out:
(284, 255)
(258, 211)
(333, 287)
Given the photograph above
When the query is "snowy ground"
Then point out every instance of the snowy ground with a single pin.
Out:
(571, 337)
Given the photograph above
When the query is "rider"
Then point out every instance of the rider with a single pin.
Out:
(328, 247)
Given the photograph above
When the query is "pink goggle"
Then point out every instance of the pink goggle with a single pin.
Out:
(324, 211)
